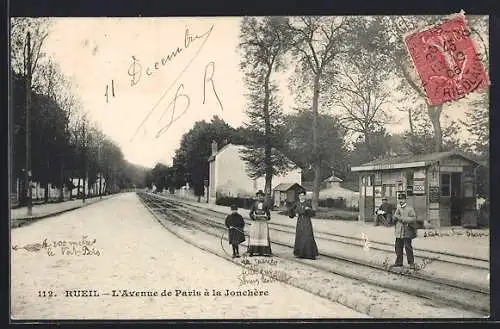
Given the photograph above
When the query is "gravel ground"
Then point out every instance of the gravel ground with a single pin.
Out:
(372, 300)
(446, 271)
(459, 244)
(135, 253)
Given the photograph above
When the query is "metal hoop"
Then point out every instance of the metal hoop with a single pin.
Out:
(234, 228)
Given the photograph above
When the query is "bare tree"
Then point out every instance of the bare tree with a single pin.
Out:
(39, 29)
(394, 28)
(316, 44)
(361, 94)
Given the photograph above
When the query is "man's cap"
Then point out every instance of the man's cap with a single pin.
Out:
(260, 192)
(384, 198)
(402, 196)
(234, 207)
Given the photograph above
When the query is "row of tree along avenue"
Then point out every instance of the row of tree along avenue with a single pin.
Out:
(61, 143)
(350, 77)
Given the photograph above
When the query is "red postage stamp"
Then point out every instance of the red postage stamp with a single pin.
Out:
(447, 61)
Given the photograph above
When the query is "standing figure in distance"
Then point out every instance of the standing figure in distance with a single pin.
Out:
(405, 231)
(235, 224)
(305, 245)
(260, 243)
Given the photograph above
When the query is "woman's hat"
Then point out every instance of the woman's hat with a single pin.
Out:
(234, 207)
(260, 192)
(302, 192)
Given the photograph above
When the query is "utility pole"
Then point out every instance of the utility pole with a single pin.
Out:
(28, 123)
(100, 168)
(84, 155)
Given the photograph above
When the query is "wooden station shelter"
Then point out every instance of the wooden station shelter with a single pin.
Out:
(286, 193)
(440, 187)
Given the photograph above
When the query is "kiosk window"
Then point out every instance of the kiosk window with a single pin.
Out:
(388, 190)
(368, 180)
(445, 184)
(409, 178)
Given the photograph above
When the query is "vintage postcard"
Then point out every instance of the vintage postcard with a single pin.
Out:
(305, 167)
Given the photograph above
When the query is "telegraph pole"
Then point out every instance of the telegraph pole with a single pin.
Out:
(28, 124)
(100, 169)
(84, 154)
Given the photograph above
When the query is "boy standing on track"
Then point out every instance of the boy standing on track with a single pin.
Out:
(405, 231)
(235, 224)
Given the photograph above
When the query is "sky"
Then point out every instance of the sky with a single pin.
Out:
(160, 75)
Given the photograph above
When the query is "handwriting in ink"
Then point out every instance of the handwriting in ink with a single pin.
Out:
(453, 232)
(112, 91)
(211, 80)
(245, 260)
(67, 247)
(255, 275)
(173, 103)
(172, 118)
(189, 40)
(136, 69)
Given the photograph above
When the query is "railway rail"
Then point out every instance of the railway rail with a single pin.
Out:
(444, 292)
(445, 257)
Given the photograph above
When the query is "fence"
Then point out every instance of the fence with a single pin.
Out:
(340, 203)
(54, 193)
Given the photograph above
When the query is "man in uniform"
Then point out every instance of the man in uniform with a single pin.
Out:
(405, 231)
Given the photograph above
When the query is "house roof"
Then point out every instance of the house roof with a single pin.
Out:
(333, 179)
(409, 161)
(212, 157)
(309, 186)
(283, 187)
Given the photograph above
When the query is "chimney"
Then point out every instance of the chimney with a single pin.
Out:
(214, 147)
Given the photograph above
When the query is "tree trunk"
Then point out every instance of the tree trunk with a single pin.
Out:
(84, 157)
(79, 184)
(410, 121)
(46, 196)
(28, 174)
(84, 183)
(368, 143)
(61, 196)
(434, 112)
(268, 146)
(316, 159)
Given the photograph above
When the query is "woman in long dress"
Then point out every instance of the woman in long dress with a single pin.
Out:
(259, 243)
(305, 245)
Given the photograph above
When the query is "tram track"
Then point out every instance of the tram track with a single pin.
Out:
(445, 257)
(455, 262)
(443, 293)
